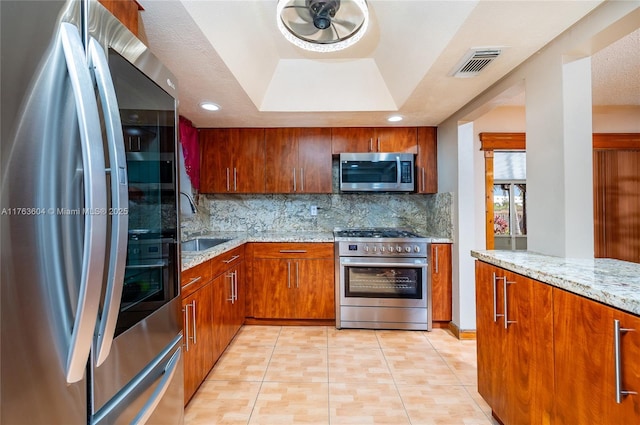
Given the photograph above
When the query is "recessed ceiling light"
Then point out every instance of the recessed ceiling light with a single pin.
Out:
(209, 106)
(394, 118)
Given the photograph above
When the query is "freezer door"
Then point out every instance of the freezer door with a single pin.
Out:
(154, 396)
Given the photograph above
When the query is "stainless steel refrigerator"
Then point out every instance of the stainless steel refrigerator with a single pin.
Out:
(91, 327)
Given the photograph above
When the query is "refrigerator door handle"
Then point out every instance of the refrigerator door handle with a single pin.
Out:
(150, 406)
(95, 225)
(119, 202)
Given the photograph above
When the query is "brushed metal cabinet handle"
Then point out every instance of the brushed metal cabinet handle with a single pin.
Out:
(617, 332)
(185, 310)
(507, 322)
(195, 325)
(235, 179)
(495, 298)
(297, 275)
(192, 281)
(228, 187)
(232, 259)
(288, 274)
(294, 179)
(436, 260)
(293, 251)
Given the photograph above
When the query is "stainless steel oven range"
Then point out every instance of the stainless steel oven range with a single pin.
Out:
(381, 279)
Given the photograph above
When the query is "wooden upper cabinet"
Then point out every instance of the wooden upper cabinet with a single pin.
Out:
(396, 139)
(373, 139)
(233, 160)
(126, 11)
(314, 159)
(427, 161)
(351, 139)
(298, 160)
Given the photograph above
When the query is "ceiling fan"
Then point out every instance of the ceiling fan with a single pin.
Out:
(323, 25)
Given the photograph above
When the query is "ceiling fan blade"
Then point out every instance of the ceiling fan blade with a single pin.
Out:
(328, 35)
(303, 29)
(303, 12)
(349, 26)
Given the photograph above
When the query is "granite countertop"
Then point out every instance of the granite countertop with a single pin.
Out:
(612, 282)
(193, 258)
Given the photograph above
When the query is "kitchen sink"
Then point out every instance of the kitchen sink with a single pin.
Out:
(200, 244)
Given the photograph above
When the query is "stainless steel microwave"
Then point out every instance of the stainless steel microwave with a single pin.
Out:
(377, 172)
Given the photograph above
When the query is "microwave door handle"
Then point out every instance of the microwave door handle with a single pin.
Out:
(399, 172)
(119, 202)
(95, 187)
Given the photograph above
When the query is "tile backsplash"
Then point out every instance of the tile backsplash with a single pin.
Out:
(430, 215)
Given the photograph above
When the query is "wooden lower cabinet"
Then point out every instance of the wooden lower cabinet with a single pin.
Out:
(555, 363)
(585, 362)
(229, 308)
(293, 281)
(213, 309)
(198, 338)
(441, 298)
(515, 359)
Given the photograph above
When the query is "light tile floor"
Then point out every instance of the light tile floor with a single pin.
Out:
(320, 375)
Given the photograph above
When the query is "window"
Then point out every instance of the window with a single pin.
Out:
(509, 201)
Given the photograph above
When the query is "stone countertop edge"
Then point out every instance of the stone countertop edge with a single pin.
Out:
(191, 259)
(612, 282)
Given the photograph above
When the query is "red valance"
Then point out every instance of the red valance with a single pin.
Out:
(188, 137)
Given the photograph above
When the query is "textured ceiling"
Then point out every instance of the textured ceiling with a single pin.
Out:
(231, 53)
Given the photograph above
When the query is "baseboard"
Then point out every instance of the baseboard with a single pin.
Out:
(289, 322)
(461, 333)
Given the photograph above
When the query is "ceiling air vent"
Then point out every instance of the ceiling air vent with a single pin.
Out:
(475, 61)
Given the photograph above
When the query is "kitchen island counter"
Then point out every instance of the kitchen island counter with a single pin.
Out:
(612, 282)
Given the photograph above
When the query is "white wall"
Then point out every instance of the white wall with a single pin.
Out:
(553, 114)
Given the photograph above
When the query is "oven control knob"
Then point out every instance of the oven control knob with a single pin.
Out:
(381, 249)
(398, 248)
(407, 249)
(366, 248)
(416, 248)
(375, 248)
(390, 248)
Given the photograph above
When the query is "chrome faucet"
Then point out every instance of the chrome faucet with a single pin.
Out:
(191, 202)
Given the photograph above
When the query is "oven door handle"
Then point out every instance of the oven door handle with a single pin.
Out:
(381, 264)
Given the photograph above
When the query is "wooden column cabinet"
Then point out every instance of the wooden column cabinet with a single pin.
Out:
(298, 160)
(198, 338)
(440, 267)
(233, 160)
(427, 161)
(373, 139)
(585, 348)
(514, 320)
(293, 281)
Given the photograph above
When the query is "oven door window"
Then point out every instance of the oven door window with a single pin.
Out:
(383, 282)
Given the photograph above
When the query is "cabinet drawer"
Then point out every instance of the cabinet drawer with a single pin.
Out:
(193, 278)
(293, 250)
(224, 261)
